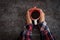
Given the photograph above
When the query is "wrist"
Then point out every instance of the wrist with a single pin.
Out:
(29, 21)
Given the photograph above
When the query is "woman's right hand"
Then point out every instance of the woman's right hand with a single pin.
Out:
(42, 16)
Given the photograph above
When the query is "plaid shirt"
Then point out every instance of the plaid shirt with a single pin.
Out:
(44, 32)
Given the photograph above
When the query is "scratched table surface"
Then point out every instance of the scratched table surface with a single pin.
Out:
(12, 17)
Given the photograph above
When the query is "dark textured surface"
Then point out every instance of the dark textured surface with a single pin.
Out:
(12, 16)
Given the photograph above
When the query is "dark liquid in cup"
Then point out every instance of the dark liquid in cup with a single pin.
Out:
(35, 14)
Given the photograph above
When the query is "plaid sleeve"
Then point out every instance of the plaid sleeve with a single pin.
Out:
(45, 32)
(26, 34)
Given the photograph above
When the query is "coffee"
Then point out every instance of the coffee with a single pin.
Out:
(35, 14)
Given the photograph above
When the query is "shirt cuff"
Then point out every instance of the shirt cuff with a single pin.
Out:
(29, 25)
(42, 24)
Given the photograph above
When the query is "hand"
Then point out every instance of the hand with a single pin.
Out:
(28, 19)
(42, 16)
